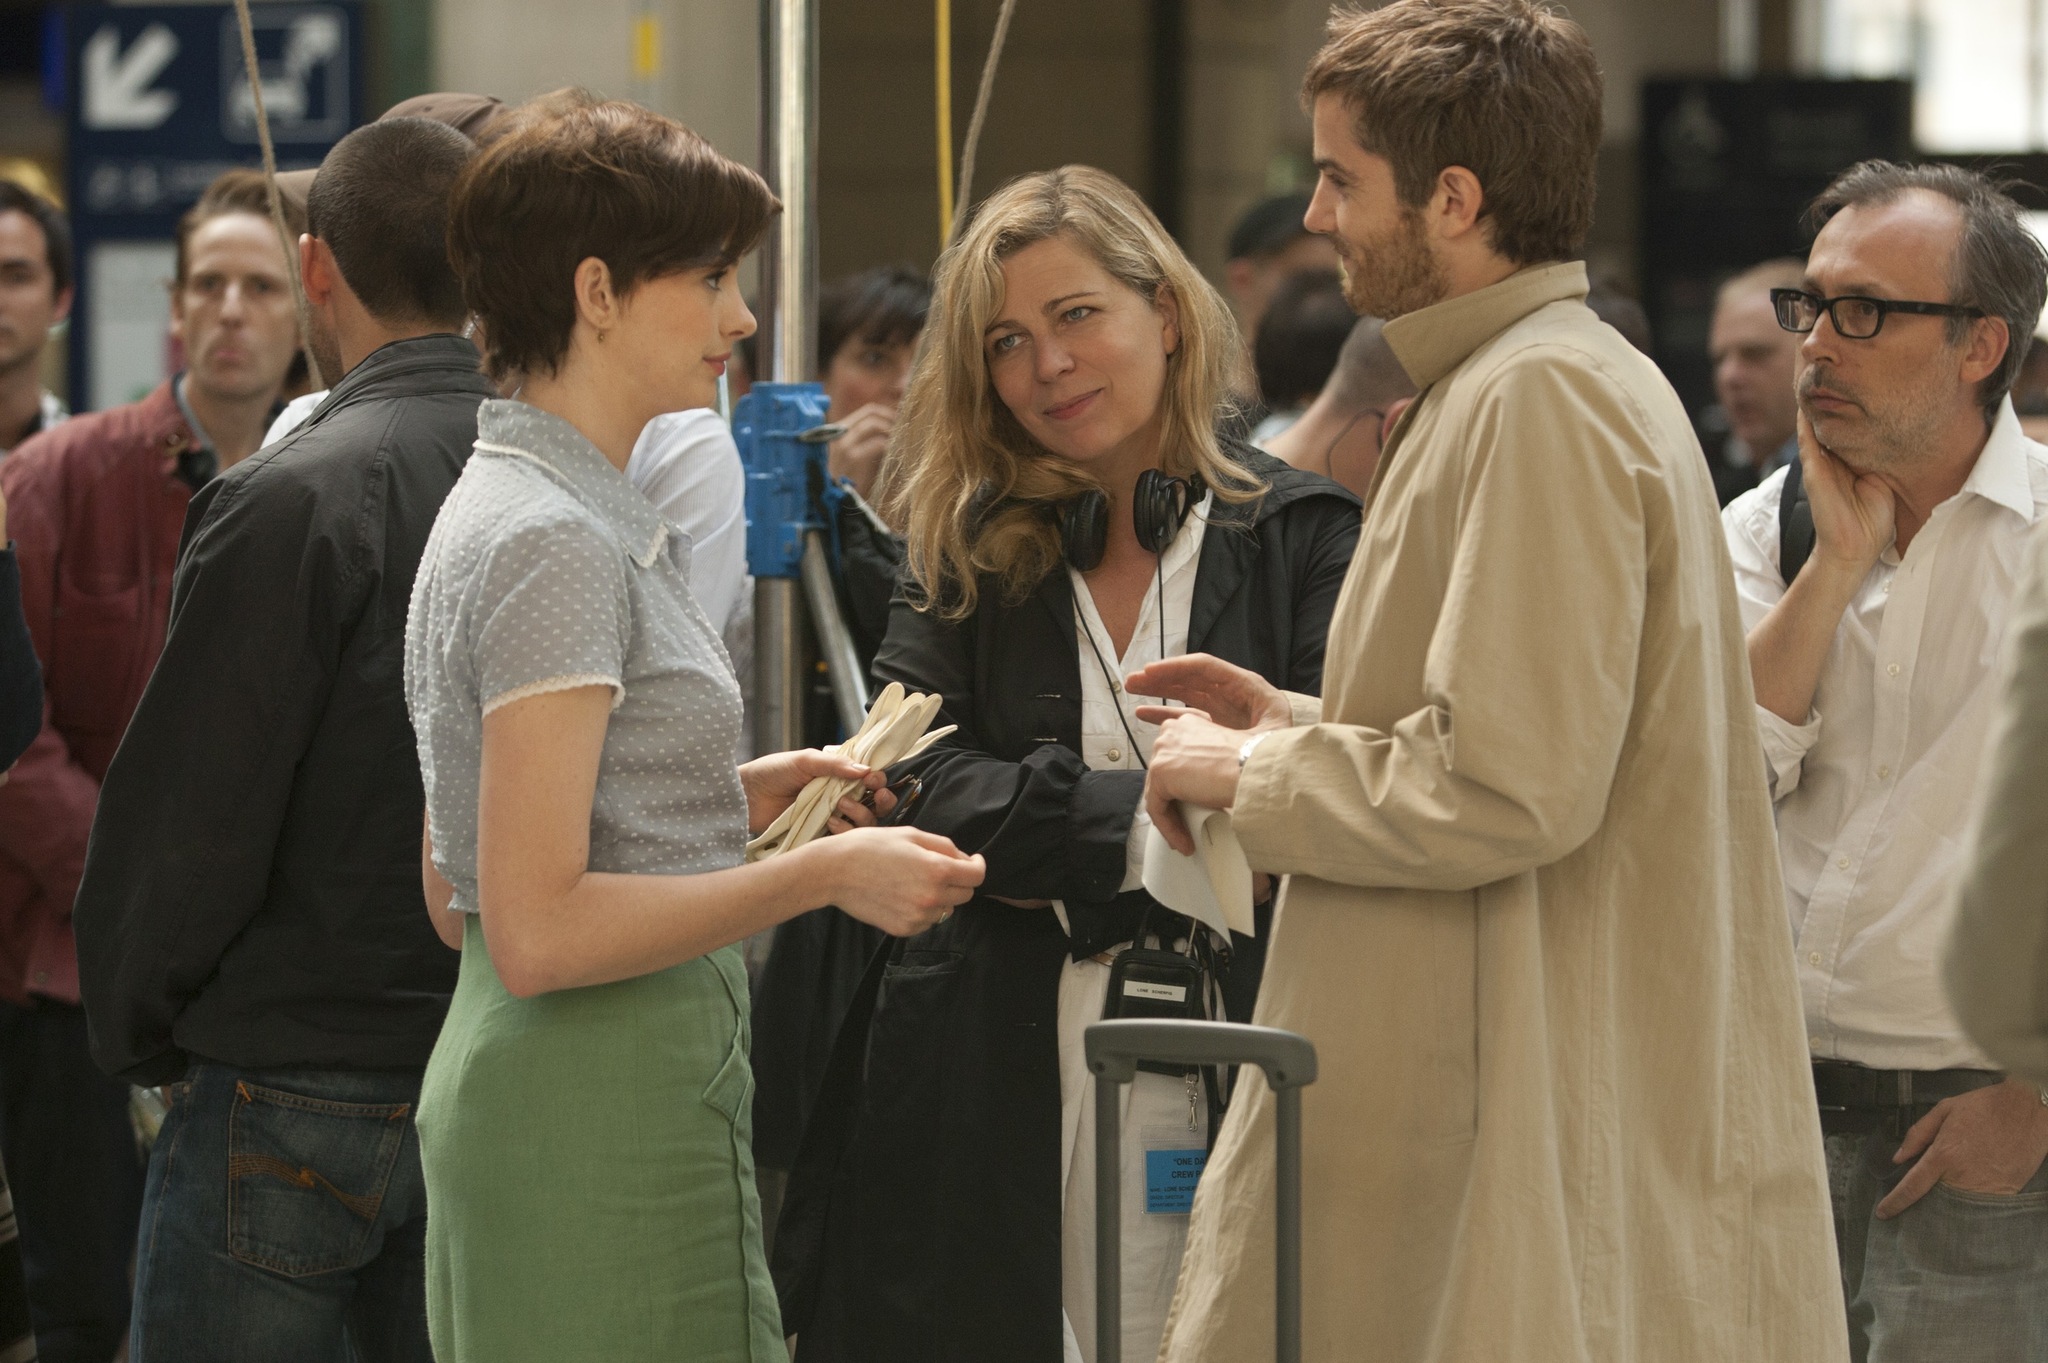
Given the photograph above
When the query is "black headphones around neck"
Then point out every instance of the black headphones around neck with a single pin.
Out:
(1160, 506)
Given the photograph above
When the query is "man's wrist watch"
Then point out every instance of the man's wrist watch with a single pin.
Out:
(1244, 755)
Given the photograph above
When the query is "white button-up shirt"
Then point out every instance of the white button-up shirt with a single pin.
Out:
(1875, 791)
(1108, 715)
(1153, 1103)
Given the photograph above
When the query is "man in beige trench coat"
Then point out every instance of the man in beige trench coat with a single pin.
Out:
(1534, 924)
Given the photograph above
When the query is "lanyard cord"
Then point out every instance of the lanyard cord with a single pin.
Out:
(1115, 689)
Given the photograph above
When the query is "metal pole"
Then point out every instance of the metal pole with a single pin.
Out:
(789, 272)
(1287, 1224)
(842, 660)
(789, 261)
(1109, 1222)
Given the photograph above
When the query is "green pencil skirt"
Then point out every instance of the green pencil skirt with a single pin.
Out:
(590, 1178)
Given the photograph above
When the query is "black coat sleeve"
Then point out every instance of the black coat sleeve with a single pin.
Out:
(1329, 537)
(1049, 827)
(182, 844)
(21, 677)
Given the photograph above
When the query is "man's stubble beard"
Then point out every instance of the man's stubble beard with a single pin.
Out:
(1395, 274)
(325, 349)
(1894, 435)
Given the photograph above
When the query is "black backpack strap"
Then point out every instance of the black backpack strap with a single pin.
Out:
(1795, 524)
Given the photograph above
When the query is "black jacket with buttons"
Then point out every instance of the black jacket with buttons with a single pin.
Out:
(252, 888)
(923, 1216)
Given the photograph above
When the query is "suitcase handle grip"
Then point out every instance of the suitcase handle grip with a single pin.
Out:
(1113, 1050)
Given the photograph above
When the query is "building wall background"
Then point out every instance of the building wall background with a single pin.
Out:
(1075, 85)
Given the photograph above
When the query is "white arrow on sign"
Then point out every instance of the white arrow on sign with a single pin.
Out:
(117, 93)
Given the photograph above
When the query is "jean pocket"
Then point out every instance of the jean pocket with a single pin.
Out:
(306, 1178)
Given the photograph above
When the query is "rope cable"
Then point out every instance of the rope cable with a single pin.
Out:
(284, 236)
(974, 125)
(944, 78)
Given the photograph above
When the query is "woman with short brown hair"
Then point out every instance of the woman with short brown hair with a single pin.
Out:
(584, 1119)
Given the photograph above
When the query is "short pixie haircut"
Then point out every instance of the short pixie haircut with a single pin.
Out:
(601, 178)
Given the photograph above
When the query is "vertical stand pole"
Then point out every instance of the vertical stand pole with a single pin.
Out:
(1109, 1223)
(789, 274)
(1287, 1227)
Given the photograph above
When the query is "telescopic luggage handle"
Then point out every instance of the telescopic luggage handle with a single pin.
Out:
(1113, 1050)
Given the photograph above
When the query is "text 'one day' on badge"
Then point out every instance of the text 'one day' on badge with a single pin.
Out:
(1170, 1179)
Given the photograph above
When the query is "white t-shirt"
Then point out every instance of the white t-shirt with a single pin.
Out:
(687, 465)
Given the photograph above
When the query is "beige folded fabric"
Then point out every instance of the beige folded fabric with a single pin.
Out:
(894, 731)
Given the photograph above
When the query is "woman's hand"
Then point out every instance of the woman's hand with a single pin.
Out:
(901, 880)
(1235, 697)
(773, 782)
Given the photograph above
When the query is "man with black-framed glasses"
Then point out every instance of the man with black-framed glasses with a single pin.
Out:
(1900, 531)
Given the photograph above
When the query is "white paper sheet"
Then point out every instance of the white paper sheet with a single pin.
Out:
(1215, 885)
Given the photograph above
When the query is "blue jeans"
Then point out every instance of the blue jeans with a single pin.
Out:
(70, 1150)
(284, 1218)
(1957, 1277)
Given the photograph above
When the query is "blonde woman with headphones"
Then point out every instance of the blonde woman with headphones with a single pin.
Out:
(1071, 511)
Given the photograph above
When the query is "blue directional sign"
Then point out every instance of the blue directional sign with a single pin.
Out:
(160, 103)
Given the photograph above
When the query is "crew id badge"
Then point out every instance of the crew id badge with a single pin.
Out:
(1173, 1166)
(1175, 1155)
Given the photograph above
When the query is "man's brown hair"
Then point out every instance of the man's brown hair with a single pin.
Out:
(240, 190)
(1508, 89)
(599, 178)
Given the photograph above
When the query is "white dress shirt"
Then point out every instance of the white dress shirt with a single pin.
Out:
(687, 465)
(1875, 791)
(1156, 1110)
(293, 415)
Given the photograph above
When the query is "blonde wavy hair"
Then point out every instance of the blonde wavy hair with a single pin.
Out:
(973, 493)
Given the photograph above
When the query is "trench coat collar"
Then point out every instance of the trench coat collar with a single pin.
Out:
(1431, 343)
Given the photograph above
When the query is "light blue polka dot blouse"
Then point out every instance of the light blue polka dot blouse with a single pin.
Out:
(547, 570)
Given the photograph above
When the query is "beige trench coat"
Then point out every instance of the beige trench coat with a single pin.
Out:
(1534, 926)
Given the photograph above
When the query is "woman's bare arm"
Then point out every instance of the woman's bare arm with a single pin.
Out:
(553, 923)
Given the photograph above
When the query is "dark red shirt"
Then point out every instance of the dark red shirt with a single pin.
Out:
(95, 507)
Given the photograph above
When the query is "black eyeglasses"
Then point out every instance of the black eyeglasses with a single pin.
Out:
(1856, 318)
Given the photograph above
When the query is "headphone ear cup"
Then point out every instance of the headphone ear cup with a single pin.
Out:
(1084, 530)
(1160, 505)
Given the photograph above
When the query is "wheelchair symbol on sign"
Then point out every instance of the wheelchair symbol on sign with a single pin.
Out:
(302, 60)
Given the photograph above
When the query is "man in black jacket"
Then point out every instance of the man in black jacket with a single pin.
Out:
(251, 928)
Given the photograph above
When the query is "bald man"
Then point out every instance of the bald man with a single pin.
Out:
(1755, 361)
(1341, 433)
